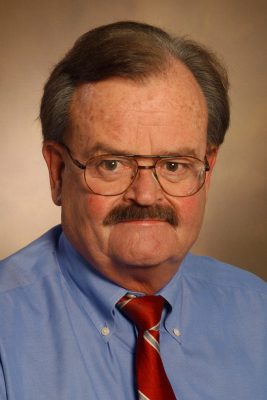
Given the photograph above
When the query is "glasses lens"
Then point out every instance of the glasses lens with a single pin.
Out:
(181, 176)
(109, 174)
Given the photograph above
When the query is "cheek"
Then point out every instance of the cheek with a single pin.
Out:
(95, 207)
(78, 201)
(190, 210)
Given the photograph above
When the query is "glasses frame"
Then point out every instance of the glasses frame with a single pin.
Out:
(135, 157)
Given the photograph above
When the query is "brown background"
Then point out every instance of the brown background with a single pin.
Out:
(35, 34)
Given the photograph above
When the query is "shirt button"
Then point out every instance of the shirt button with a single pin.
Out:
(176, 332)
(105, 331)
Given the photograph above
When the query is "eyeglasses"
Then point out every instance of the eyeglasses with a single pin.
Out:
(112, 174)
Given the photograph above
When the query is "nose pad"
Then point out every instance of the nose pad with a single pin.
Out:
(151, 167)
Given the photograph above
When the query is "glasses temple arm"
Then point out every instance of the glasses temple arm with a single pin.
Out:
(75, 162)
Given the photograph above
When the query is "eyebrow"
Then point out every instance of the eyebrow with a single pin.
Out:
(102, 148)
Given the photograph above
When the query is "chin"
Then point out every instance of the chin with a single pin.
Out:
(145, 258)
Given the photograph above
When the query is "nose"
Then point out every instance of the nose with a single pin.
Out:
(145, 189)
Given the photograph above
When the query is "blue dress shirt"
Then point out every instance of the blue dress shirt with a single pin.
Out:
(62, 337)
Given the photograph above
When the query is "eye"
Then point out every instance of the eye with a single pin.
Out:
(108, 168)
(172, 166)
(109, 165)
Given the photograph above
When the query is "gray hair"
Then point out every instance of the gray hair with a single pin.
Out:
(132, 50)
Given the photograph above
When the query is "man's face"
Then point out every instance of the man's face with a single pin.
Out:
(162, 115)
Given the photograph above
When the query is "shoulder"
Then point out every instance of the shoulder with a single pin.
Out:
(31, 263)
(222, 275)
(227, 295)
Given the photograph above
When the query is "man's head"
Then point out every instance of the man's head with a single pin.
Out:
(131, 89)
(135, 51)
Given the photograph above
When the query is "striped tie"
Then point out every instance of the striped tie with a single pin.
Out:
(151, 378)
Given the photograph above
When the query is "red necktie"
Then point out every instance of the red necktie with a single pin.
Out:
(151, 378)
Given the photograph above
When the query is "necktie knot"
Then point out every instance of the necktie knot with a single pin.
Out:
(144, 311)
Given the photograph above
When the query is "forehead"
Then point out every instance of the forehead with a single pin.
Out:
(126, 113)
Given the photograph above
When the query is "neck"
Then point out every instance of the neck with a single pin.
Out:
(143, 279)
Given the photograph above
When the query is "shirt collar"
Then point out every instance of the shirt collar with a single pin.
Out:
(173, 292)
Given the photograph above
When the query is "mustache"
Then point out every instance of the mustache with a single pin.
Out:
(134, 212)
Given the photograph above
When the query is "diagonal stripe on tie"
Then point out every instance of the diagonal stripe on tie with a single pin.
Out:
(151, 340)
(156, 327)
(142, 396)
(151, 379)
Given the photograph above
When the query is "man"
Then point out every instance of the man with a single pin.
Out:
(132, 122)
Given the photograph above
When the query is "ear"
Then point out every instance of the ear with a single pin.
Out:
(211, 157)
(53, 155)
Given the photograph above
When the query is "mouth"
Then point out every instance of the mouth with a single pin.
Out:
(143, 221)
